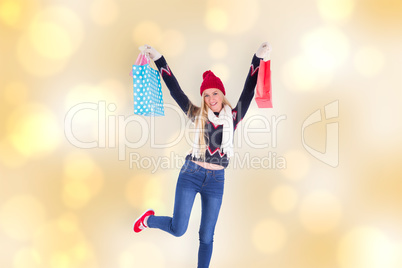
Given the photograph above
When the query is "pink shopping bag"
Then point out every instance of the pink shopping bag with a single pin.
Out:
(142, 59)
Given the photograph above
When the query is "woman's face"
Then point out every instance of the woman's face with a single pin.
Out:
(213, 97)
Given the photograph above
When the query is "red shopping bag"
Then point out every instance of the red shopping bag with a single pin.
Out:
(263, 90)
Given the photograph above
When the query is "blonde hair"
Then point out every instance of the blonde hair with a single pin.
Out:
(199, 115)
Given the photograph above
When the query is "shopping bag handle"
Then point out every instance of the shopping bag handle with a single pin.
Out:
(149, 61)
(142, 59)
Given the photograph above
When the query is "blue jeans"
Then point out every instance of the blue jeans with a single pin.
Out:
(195, 179)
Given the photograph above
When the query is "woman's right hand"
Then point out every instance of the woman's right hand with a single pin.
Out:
(264, 51)
(151, 52)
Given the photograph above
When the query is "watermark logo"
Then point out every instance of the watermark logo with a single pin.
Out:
(112, 130)
(174, 161)
(258, 132)
(331, 154)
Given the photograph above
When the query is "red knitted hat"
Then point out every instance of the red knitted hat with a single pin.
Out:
(211, 81)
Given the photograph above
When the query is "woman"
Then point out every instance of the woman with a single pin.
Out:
(203, 171)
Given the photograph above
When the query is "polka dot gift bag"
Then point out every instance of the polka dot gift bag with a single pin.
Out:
(147, 88)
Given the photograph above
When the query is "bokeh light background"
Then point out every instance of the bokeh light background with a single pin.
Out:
(63, 206)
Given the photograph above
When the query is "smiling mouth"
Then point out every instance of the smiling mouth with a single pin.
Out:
(213, 104)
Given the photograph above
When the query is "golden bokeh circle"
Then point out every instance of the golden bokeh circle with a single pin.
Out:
(60, 260)
(326, 47)
(50, 40)
(64, 22)
(15, 92)
(59, 246)
(107, 91)
(218, 49)
(283, 198)
(300, 74)
(27, 258)
(83, 179)
(153, 194)
(297, 165)
(222, 71)
(231, 17)
(21, 216)
(68, 222)
(9, 156)
(18, 13)
(147, 32)
(174, 43)
(216, 19)
(320, 212)
(104, 12)
(32, 130)
(134, 192)
(10, 12)
(369, 61)
(324, 50)
(269, 236)
(53, 35)
(336, 10)
(367, 247)
(142, 254)
(34, 63)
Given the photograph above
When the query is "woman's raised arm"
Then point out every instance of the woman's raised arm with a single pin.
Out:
(170, 80)
(248, 90)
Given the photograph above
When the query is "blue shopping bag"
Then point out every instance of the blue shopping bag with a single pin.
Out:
(147, 89)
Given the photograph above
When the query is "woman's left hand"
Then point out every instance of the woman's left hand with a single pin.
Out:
(264, 51)
(151, 52)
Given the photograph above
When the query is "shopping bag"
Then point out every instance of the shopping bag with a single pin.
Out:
(147, 89)
(263, 90)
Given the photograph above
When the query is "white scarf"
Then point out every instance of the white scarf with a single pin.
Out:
(225, 118)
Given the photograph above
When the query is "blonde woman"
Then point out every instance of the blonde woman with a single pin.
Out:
(204, 169)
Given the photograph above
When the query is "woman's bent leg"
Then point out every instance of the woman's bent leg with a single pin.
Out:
(183, 204)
